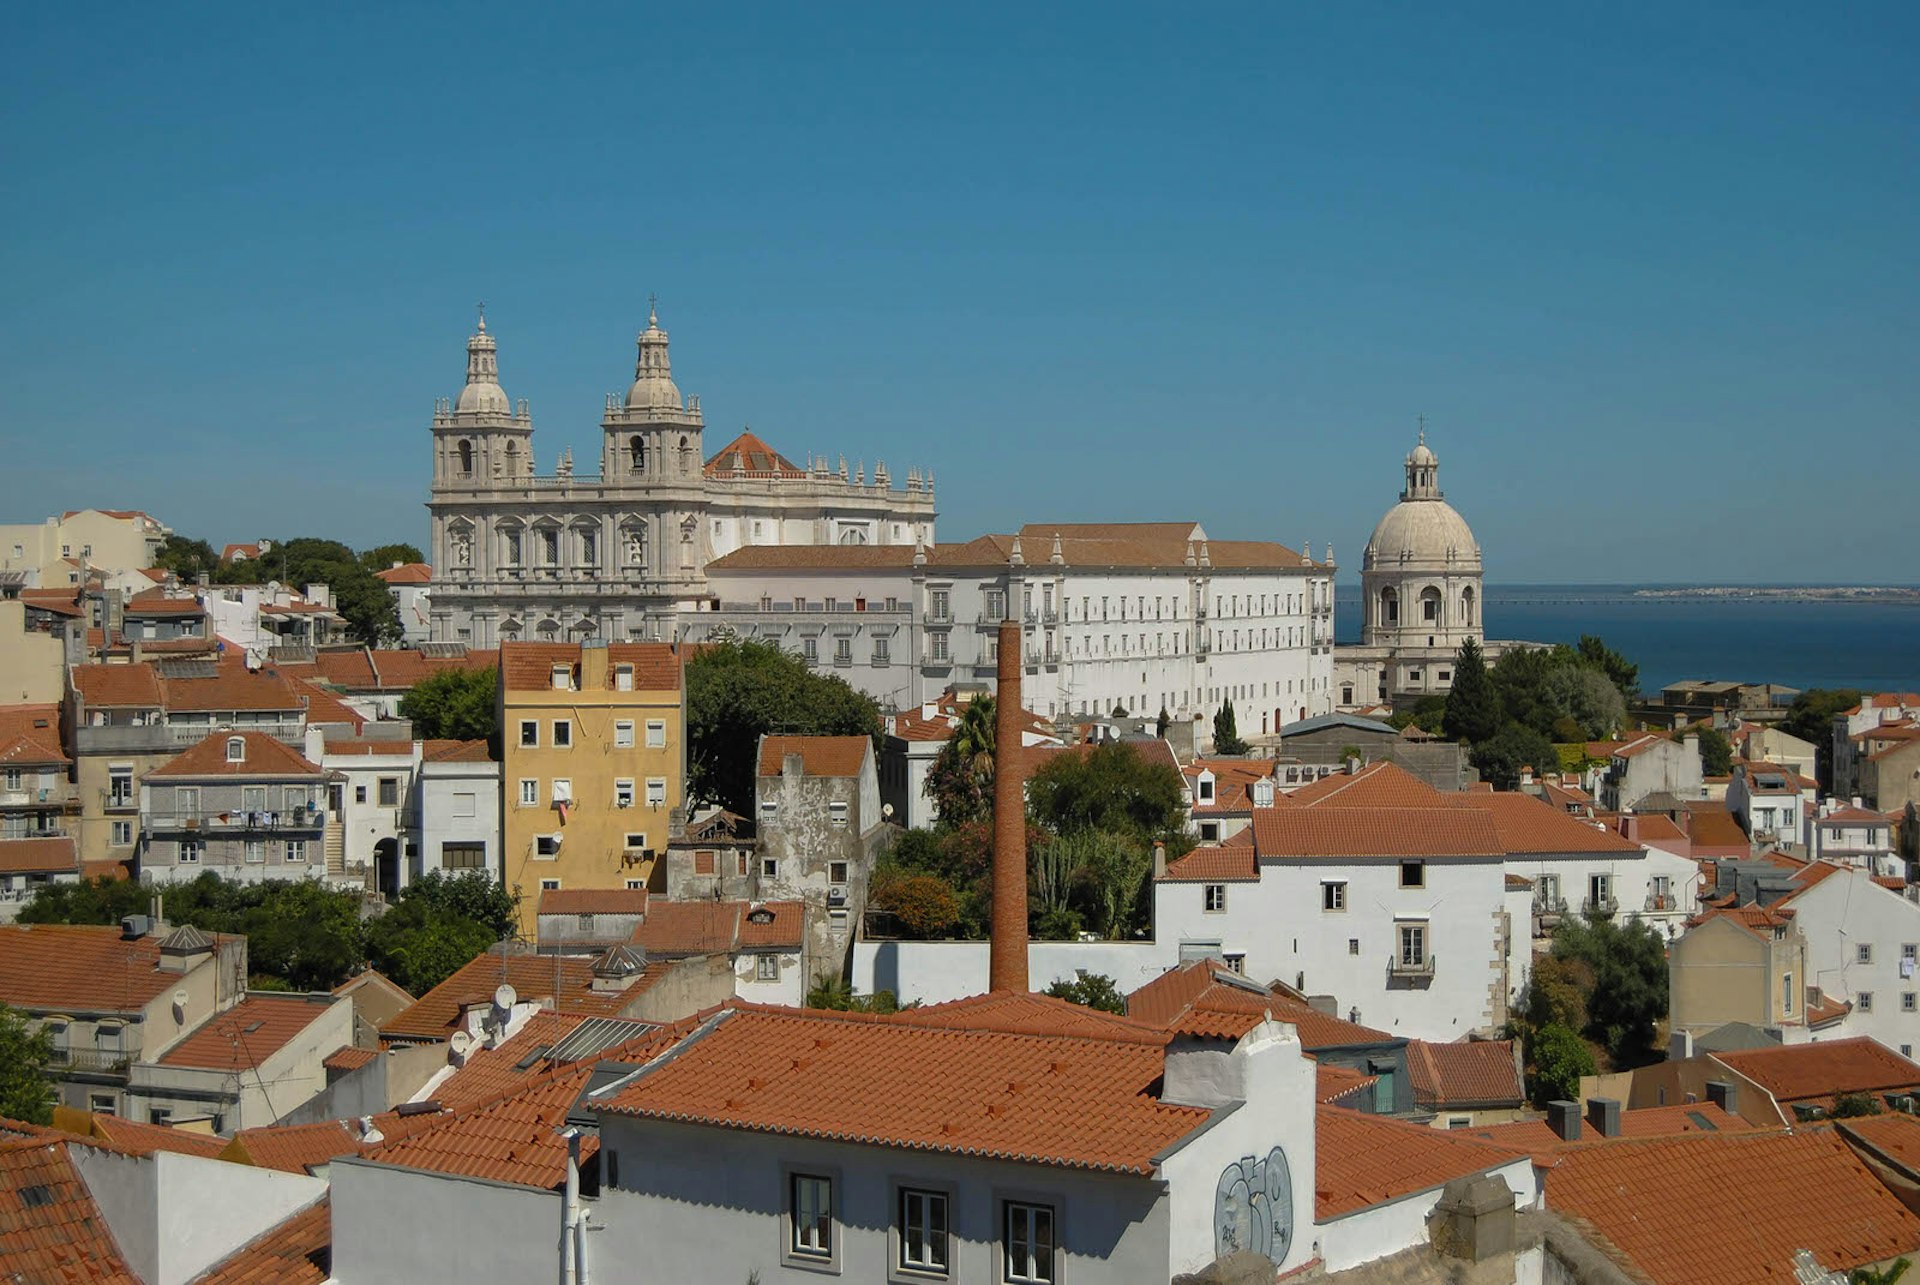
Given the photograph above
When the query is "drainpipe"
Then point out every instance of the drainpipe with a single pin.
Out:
(570, 1212)
(580, 1246)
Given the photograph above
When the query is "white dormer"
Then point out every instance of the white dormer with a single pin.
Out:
(1203, 785)
(236, 749)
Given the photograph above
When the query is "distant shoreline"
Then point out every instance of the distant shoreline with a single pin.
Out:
(1788, 593)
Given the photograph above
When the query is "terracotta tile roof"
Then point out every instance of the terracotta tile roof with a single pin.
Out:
(117, 686)
(324, 707)
(837, 557)
(1525, 824)
(1892, 1136)
(265, 756)
(158, 602)
(515, 1139)
(1538, 1137)
(247, 1034)
(1476, 1073)
(38, 856)
(298, 1251)
(1233, 781)
(342, 1061)
(1377, 785)
(1851, 816)
(1823, 1011)
(403, 669)
(566, 979)
(1905, 730)
(65, 968)
(1225, 862)
(61, 602)
(749, 456)
(407, 573)
(773, 925)
(593, 901)
(1325, 830)
(1802, 1072)
(1027, 1013)
(1341, 1084)
(51, 1231)
(230, 687)
(1206, 998)
(819, 755)
(1683, 1210)
(1756, 919)
(1114, 544)
(1362, 1160)
(674, 929)
(492, 1073)
(1655, 827)
(1072, 1101)
(135, 1138)
(293, 1148)
(123, 515)
(1710, 825)
(529, 666)
(439, 751)
(348, 670)
(27, 731)
(935, 720)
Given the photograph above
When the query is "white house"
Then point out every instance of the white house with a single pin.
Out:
(1772, 803)
(1863, 947)
(1852, 835)
(915, 737)
(1880, 710)
(456, 818)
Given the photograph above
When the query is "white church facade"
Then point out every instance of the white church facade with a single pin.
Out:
(622, 553)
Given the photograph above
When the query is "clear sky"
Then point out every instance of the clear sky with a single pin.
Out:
(1648, 270)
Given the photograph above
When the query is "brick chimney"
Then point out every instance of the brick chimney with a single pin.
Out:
(1007, 953)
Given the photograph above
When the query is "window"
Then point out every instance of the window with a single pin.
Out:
(1413, 874)
(389, 791)
(623, 678)
(295, 852)
(1206, 789)
(837, 812)
(1333, 895)
(766, 968)
(937, 647)
(529, 733)
(623, 794)
(1214, 898)
(623, 734)
(561, 790)
(1413, 945)
(119, 786)
(1863, 1001)
(1907, 1002)
(1027, 1251)
(922, 1232)
(938, 607)
(810, 1216)
(810, 649)
(656, 792)
(1210, 831)
(236, 749)
(189, 852)
(549, 885)
(463, 856)
(122, 833)
(769, 867)
(359, 794)
(529, 793)
(1459, 1122)
(836, 872)
(158, 1115)
(843, 651)
(562, 677)
(186, 800)
(562, 733)
(1786, 992)
(636, 842)
(546, 845)
(882, 651)
(656, 733)
(1353, 945)
(255, 852)
(1864, 952)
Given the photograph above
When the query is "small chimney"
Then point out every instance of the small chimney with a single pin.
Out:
(1159, 859)
(1630, 827)
(1564, 1119)
(1604, 1115)
(1526, 774)
(134, 927)
(1724, 1094)
(1474, 1219)
(1680, 1046)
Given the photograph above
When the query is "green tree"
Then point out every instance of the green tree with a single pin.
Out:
(1092, 990)
(381, 557)
(829, 990)
(1557, 1060)
(455, 705)
(300, 930)
(1628, 998)
(738, 691)
(1429, 714)
(960, 780)
(1849, 1106)
(1557, 992)
(1716, 751)
(1586, 698)
(1472, 712)
(419, 944)
(1110, 787)
(1500, 758)
(1888, 1275)
(26, 1090)
(1621, 672)
(192, 560)
(1810, 718)
(361, 597)
(1226, 732)
(1162, 723)
(470, 895)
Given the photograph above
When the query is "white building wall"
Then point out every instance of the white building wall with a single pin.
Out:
(403, 1226)
(1375, 1232)
(933, 972)
(459, 802)
(1843, 913)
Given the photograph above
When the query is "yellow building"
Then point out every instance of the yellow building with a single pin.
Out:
(594, 743)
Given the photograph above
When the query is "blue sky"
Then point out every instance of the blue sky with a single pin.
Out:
(1649, 272)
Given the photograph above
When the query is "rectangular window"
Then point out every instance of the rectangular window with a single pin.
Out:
(1214, 898)
(1353, 945)
(636, 842)
(1413, 945)
(938, 607)
(562, 733)
(122, 833)
(253, 798)
(389, 791)
(656, 792)
(881, 651)
(766, 968)
(186, 800)
(1864, 952)
(255, 852)
(189, 852)
(837, 813)
(922, 1232)
(1864, 1001)
(810, 1216)
(1786, 994)
(937, 646)
(359, 794)
(623, 734)
(562, 678)
(703, 861)
(549, 885)
(623, 678)
(843, 651)
(1907, 1002)
(810, 650)
(529, 793)
(529, 733)
(836, 872)
(295, 852)
(561, 790)
(463, 856)
(656, 733)
(623, 794)
(769, 867)
(546, 845)
(1333, 895)
(1027, 1251)
(1413, 874)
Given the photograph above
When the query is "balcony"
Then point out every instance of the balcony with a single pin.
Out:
(1604, 907)
(294, 820)
(39, 832)
(53, 796)
(1662, 901)
(1549, 905)
(1401, 968)
(95, 1061)
(114, 801)
(161, 738)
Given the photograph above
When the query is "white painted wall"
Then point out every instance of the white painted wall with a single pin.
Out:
(1375, 1232)
(1839, 915)
(445, 816)
(396, 1226)
(933, 972)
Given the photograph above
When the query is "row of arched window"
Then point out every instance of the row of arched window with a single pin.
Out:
(1430, 606)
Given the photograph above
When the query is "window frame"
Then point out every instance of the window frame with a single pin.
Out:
(1419, 868)
(791, 1253)
(899, 1187)
(562, 733)
(1333, 896)
(529, 733)
(1213, 898)
(1004, 1205)
(529, 797)
(623, 734)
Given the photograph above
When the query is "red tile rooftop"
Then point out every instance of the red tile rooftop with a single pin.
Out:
(246, 1035)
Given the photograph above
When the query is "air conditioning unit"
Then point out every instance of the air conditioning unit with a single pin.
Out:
(837, 895)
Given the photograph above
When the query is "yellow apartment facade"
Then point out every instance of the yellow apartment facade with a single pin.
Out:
(593, 741)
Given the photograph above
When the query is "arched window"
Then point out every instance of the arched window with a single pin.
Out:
(1389, 607)
(686, 448)
(513, 459)
(1466, 606)
(1430, 605)
(637, 453)
(466, 459)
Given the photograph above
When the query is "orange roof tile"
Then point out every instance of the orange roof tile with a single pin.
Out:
(439, 751)
(1027, 1013)
(1467, 1073)
(748, 456)
(158, 602)
(529, 666)
(1683, 1210)
(1224, 862)
(135, 1138)
(1756, 919)
(324, 707)
(265, 756)
(1377, 785)
(407, 573)
(293, 1148)
(773, 925)
(1325, 830)
(38, 856)
(246, 1035)
(593, 901)
(1538, 1137)
(231, 687)
(66, 968)
(348, 1059)
(1525, 824)
(492, 1073)
(51, 1231)
(819, 755)
(1362, 1160)
(298, 1251)
(1803, 1072)
(679, 928)
(1073, 1101)
(1334, 1083)
(348, 670)
(1206, 998)
(567, 979)
(117, 686)
(1893, 1136)
(514, 1140)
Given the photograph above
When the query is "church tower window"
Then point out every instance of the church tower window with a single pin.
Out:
(466, 459)
(637, 453)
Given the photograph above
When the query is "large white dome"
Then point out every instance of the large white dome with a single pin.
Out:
(1424, 533)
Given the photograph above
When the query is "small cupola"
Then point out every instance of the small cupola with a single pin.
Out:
(617, 969)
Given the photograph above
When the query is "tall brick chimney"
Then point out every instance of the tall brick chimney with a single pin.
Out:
(1007, 953)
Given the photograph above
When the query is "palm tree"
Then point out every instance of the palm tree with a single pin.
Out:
(961, 780)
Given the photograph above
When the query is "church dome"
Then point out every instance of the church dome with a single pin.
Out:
(483, 399)
(482, 394)
(1423, 530)
(653, 386)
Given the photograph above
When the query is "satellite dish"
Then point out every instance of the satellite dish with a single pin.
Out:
(461, 1043)
(180, 1006)
(503, 996)
(886, 811)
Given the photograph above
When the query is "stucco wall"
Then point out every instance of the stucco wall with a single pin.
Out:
(404, 1227)
(936, 971)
